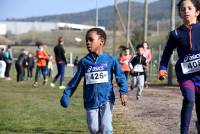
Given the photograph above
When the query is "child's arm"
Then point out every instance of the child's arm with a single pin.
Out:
(171, 45)
(121, 81)
(71, 86)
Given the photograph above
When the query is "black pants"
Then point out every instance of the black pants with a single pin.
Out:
(20, 72)
(8, 67)
(29, 72)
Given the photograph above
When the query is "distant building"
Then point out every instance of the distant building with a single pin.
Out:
(3, 29)
(61, 25)
(15, 27)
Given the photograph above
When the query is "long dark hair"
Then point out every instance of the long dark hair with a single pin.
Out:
(196, 4)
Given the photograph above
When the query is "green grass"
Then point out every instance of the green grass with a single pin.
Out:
(24, 109)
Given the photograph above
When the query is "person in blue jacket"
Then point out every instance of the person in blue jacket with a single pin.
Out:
(186, 39)
(97, 68)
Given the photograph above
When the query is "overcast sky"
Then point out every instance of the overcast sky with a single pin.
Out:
(28, 8)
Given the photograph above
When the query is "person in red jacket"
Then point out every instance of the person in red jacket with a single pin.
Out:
(42, 57)
(124, 59)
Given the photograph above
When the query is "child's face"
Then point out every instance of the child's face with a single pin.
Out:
(40, 47)
(140, 51)
(127, 52)
(30, 55)
(145, 45)
(188, 12)
(93, 42)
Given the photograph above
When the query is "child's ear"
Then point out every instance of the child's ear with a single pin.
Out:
(102, 42)
(197, 13)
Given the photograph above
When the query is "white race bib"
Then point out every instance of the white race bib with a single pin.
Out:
(96, 74)
(191, 66)
(96, 77)
(138, 68)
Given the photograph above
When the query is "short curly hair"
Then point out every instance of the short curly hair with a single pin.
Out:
(99, 32)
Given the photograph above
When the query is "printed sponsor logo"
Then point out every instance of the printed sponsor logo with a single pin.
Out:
(97, 68)
(190, 57)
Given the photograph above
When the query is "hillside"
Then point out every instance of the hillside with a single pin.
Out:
(159, 10)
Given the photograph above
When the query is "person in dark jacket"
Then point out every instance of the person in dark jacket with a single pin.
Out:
(20, 65)
(138, 65)
(60, 61)
(186, 40)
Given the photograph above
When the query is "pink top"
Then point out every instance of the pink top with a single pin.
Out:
(147, 54)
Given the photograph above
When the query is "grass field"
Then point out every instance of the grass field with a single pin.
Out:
(24, 109)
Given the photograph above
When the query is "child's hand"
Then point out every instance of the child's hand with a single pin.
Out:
(64, 101)
(124, 99)
(132, 70)
(162, 74)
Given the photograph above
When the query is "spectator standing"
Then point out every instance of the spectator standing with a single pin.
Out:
(2, 64)
(30, 66)
(76, 61)
(8, 59)
(20, 65)
(60, 62)
(42, 57)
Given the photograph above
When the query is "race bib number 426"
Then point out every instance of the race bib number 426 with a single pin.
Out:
(191, 66)
(96, 77)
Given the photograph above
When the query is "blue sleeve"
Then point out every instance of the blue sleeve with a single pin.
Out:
(71, 86)
(171, 45)
(120, 77)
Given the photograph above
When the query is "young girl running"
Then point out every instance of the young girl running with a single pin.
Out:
(186, 39)
(97, 68)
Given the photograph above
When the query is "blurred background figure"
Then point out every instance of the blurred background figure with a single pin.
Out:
(76, 61)
(30, 66)
(124, 59)
(50, 66)
(148, 55)
(60, 62)
(42, 57)
(9, 59)
(2, 64)
(20, 65)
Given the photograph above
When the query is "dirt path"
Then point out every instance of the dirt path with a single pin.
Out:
(158, 111)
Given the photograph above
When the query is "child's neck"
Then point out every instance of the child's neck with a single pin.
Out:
(189, 23)
(95, 54)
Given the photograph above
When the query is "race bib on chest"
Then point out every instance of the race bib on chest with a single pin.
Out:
(138, 68)
(191, 64)
(96, 74)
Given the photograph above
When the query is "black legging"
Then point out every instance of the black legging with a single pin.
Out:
(8, 67)
(20, 72)
(29, 72)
